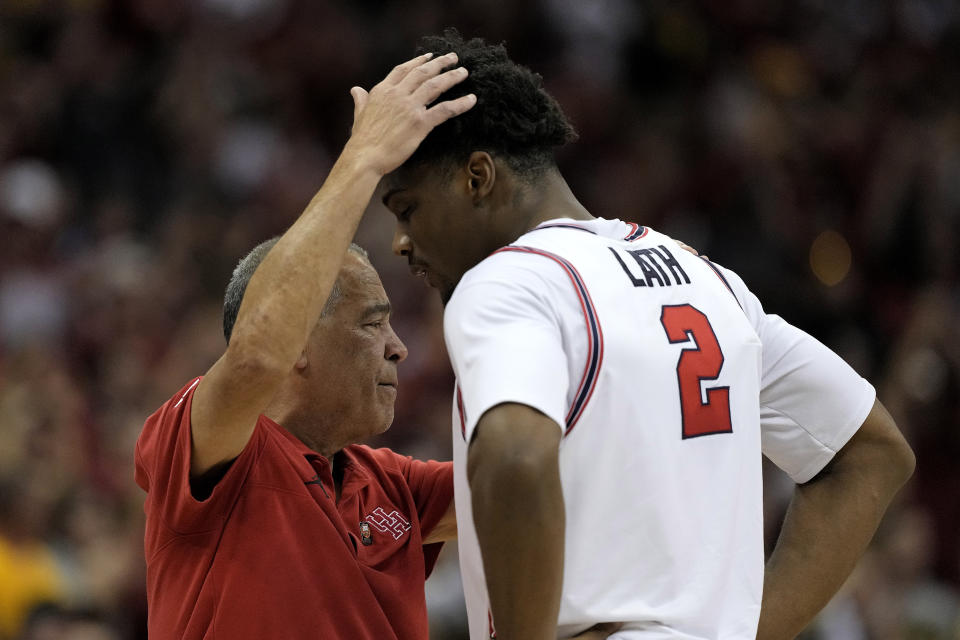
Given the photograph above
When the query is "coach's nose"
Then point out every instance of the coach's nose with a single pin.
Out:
(401, 242)
(394, 349)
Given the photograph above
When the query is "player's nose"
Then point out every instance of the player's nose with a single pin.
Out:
(401, 242)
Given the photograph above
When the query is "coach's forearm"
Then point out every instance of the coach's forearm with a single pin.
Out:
(290, 287)
(518, 513)
(288, 290)
(829, 524)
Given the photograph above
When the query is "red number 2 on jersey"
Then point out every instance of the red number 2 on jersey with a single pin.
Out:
(702, 361)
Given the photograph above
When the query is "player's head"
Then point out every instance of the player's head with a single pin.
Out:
(455, 198)
(346, 378)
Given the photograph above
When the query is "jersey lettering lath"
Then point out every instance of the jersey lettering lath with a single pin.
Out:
(654, 367)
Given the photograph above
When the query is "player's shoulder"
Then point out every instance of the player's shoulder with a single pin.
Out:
(503, 276)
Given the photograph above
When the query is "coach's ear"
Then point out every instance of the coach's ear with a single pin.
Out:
(481, 175)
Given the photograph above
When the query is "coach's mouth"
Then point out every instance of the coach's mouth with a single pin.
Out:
(391, 389)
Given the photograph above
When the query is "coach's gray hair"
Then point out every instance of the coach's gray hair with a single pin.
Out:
(244, 271)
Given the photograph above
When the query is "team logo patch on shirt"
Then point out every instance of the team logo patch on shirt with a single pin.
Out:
(392, 523)
(365, 536)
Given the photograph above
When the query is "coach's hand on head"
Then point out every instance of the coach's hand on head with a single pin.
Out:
(392, 119)
(283, 300)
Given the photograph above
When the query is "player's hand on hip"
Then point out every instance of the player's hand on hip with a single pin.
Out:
(599, 631)
(392, 119)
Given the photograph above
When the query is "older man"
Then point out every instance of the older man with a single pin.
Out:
(263, 519)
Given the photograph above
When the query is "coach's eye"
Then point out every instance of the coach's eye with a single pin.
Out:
(404, 215)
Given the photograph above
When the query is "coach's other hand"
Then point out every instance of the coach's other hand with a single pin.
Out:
(392, 119)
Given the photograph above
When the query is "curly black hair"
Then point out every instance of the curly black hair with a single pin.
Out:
(514, 118)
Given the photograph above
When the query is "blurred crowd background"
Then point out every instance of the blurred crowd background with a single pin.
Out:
(145, 145)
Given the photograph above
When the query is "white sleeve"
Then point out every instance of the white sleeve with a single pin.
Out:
(505, 344)
(811, 401)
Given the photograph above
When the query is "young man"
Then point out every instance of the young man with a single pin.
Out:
(264, 520)
(614, 394)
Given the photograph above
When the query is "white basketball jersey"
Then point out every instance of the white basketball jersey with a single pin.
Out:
(668, 380)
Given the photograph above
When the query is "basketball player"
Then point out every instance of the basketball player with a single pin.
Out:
(614, 395)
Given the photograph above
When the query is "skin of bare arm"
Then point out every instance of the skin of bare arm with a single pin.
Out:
(446, 529)
(285, 296)
(830, 522)
(518, 510)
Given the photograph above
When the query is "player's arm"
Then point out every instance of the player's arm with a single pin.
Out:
(829, 523)
(502, 328)
(518, 511)
(822, 424)
(285, 296)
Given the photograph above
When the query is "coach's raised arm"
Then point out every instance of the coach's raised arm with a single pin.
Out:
(288, 290)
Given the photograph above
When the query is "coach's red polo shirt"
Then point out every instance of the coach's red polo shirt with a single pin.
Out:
(271, 553)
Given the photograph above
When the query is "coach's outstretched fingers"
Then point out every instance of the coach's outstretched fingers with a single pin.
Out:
(440, 113)
(421, 73)
(431, 89)
(400, 71)
(392, 119)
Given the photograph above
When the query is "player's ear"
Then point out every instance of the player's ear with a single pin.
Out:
(481, 173)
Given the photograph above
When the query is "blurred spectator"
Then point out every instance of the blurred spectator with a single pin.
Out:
(29, 573)
(145, 145)
(51, 622)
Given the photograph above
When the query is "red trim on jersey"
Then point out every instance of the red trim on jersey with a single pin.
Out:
(563, 225)
(588, 382)
(723, 280)
(636, 232)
